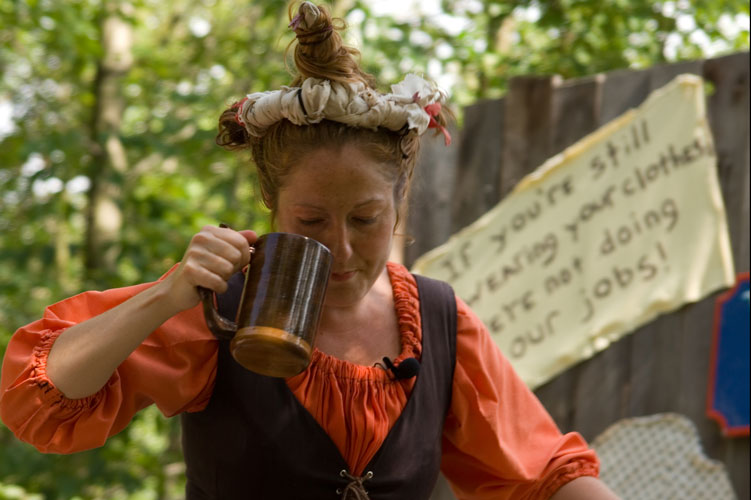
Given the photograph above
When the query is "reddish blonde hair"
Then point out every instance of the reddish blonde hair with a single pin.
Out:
(324, 55)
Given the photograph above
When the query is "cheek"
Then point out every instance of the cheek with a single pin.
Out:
(379, 242)
(286, 224)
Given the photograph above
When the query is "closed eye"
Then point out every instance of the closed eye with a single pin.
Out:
(364, 220)
(310, 222)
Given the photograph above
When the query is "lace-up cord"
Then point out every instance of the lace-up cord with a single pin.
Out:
(355, 489)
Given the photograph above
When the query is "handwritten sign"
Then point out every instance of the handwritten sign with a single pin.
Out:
(624, 225)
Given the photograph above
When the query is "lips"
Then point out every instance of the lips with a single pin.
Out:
(344, 276)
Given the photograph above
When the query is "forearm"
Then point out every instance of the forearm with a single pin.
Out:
(86, 355)
(584, 488)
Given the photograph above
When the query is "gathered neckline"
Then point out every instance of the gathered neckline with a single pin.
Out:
(406, 304)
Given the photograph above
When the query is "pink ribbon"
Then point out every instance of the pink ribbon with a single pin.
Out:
(238, 107)
(434, 110)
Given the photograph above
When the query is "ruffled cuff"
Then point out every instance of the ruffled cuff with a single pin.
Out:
(51, 394)
(566, 473)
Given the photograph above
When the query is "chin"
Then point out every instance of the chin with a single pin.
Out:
(341, 299)
(344, 294)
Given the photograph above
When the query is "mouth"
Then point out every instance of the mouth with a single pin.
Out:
(344, 276)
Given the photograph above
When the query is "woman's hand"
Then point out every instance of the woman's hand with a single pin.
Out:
(85, 355)
(213, 256)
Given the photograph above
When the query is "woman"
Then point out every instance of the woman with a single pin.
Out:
(335, 159)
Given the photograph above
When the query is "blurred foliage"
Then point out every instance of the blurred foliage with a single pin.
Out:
(190, 59)
(476, 46)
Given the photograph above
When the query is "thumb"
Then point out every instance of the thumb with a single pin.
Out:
(249, 235)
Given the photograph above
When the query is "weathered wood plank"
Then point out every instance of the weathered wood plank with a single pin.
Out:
(477, 182)
(663, 74)
(601, 389)
(557, 397)
(527, 132)
(736, 458)
(729, 119)
(694, 371)
(743, 257)
(622, 90)
(645, 369)
(668, 348)
(428, 222)
(575, 111)
(728, 110)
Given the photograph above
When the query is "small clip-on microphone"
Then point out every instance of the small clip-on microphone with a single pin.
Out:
(408, 368)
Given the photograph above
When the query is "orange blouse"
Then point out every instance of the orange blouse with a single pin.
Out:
(498, 440)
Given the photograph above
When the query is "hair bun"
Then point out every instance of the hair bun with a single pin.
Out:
(320, 51)
(307, 15)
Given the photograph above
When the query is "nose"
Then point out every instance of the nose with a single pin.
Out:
(339, 242)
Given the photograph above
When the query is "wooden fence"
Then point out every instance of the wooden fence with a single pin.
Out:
(664, 365)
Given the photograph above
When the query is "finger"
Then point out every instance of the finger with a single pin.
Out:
(198, 274)
(212, 281)
(223, 266)
(242, 240)
(225, 243)
(250, 236)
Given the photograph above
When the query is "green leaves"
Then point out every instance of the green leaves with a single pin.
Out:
(190, 60)
(481, 45)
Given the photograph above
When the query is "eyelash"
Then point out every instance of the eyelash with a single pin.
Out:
(365, 221)
(310, 222)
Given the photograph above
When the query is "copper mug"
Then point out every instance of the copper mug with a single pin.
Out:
(280, 307)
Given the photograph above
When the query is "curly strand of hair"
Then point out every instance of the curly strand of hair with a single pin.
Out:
(231, 135)
(409, 145)
(325, 37)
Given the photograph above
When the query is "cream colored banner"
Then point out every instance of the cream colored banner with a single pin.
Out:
(624, 225)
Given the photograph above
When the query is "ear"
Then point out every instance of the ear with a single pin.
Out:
(399, 209)
(267, 201)
(400, 192)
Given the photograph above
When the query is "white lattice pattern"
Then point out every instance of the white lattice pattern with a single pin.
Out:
(659, 457)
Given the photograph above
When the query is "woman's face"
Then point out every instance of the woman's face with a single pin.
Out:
(342, 199)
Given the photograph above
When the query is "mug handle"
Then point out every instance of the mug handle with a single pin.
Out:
(221, 327)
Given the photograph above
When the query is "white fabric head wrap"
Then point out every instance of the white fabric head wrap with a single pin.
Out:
(350, 103)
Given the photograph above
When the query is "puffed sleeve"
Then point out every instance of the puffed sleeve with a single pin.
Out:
(174, 368)
(499, 442)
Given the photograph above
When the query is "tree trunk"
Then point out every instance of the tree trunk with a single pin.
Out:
(109, 162)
